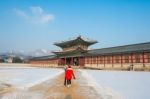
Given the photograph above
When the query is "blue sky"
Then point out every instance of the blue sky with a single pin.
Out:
(27, 25)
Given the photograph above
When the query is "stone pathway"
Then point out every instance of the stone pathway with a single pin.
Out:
(55, 89)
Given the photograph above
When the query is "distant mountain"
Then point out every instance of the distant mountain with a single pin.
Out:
(25, 55)
(14, 54)
(38, 52)
(41, 52)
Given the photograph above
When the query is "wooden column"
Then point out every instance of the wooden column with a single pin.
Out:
(65, 61)
(83, 61)
(61, 62)
(71, 60)
(121, 61)
(97, 60)
(143, 59)
(104, 60)
(79, 61)
(131, 58)
(112, 60)
(91, 60)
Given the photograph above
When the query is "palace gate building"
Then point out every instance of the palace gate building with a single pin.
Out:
(76, 53)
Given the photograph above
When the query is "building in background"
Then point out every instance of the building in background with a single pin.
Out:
(76, 53)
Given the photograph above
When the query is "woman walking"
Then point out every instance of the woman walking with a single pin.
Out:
(68, 75)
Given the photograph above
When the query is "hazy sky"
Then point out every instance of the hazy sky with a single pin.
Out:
(27, 25)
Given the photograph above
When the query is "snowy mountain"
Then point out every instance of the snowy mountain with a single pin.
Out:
(36, 53)
(24, 56)
(40, 52)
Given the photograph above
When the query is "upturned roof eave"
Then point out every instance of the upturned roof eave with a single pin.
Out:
(71, 51)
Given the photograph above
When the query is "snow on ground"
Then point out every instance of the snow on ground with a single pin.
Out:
(25, 77)
(129, 84)
(23, 94)
(102, 92)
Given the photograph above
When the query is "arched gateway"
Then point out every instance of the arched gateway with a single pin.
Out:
(73, 51)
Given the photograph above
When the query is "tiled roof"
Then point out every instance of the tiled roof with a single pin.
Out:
(75, 40)
(44, 57)
(122, 49)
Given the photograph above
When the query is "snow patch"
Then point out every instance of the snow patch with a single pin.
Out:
(27, 77)
(24, 95)
(40, 81)
(103, 92)
(129, 84)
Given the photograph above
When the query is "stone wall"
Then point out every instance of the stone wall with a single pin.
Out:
(44, 63)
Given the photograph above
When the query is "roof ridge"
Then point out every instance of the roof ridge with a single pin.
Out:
(123, 46)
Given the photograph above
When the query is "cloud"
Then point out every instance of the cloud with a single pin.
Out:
(36, 10)
(35, 15)
(20, 13)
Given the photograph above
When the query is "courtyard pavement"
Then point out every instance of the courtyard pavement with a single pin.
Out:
(55, 89)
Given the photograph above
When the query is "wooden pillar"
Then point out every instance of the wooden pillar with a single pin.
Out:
(143, 59)
(112, 60)
(131, 58)
(60, 61)
(104, 60)
(83, 61)
(97, 60)
(121, 61)
(65, 61)
(79, 61)
(91, 60)
(71, 60)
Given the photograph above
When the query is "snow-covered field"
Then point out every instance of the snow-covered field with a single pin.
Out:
(24, 77)
(129, 84)
(101, 91)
